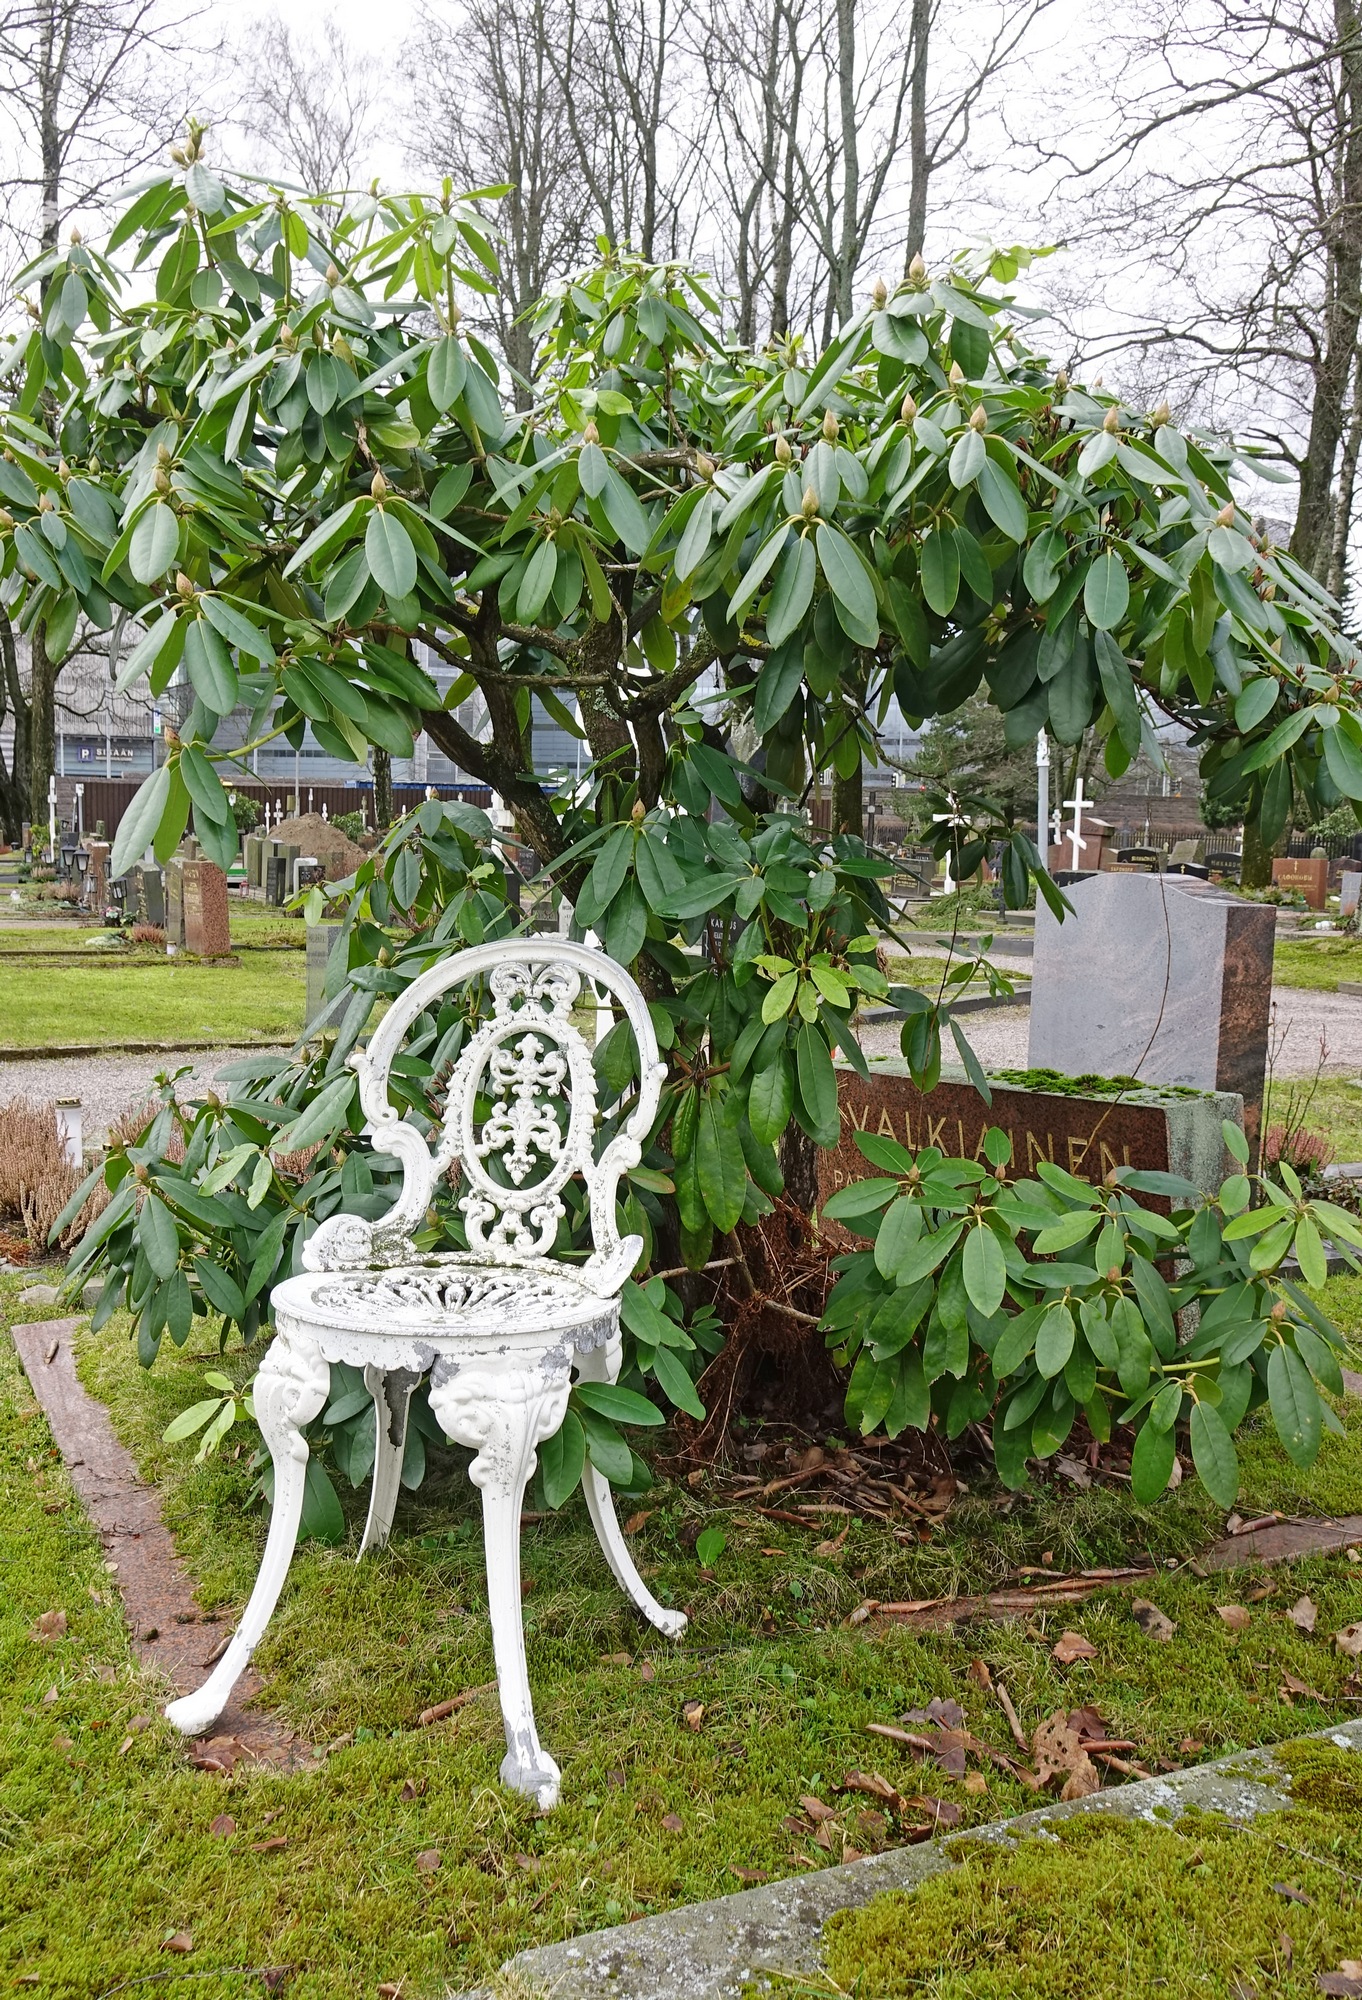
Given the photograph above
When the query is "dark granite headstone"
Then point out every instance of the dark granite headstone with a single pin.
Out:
(276, 886)
(152, 899)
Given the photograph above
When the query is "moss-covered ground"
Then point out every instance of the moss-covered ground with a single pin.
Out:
(1320, 962)
(1107, 1909)
(106, 1847)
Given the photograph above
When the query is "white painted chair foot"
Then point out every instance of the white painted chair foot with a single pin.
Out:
(290, 1390)
(506, 1414)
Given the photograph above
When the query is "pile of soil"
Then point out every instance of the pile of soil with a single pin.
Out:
(311, 834)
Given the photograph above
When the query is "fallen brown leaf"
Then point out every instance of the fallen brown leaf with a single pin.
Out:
(978, 1671)
(1349, 1641)
(635, 1521)
(947, 1714)
(693, 1714)
(51, 1625)
(1292, 1894)
(427, 1861)
(862, 1611)
(1190, 1745)
(1303, 1614)
(872, 1782)
(1154, 1623)
(1292, 1686)
(647, 1672)
(531, 1863)
(1235, 1616)
(222, 1827)
(976, 1782)
(272, 1845)
(833, 1547)
(1340, 1984)
(617, 1659)
(391, 1989)
(1071, 1646)
(747, 1875)
(180, 1942)
(673, 1822)
(816, 1809)
(942, 1812)
(1059, 1753)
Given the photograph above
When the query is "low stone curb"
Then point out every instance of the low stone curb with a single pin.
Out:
(711, 1951)
(58, 1051)
(170, 1635)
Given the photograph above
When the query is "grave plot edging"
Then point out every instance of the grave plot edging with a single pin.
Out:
(715, 1950)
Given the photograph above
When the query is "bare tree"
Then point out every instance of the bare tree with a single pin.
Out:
(314, 106)
(617, 65)
(89, 90)
(494, 116)
(1228, 150)
(833, 120)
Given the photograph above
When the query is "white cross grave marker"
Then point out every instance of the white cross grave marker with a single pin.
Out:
(1077, 805)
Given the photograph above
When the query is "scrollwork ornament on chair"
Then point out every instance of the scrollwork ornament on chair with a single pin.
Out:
(500, 1327)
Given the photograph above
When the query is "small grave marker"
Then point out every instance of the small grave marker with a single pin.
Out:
(1309, 874)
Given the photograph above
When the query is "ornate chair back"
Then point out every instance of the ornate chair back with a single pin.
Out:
(521, 1115)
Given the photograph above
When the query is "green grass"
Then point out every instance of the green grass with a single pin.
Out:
(1334, 1108)
(262, 998)
(103, 1855)
(1318, 962)
(1103, 1909)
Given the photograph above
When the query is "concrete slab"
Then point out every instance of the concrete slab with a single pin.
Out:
(718, 1950)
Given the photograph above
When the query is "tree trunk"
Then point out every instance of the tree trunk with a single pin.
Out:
(799, 1165)
(919, 165)
(1311, 537)
(848, 811)
(1256, 869)
(384, 815)
(42, 730)
(851, 158)
(1336, 580)
(14, 782)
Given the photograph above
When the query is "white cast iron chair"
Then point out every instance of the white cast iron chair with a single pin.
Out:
(500, 1328)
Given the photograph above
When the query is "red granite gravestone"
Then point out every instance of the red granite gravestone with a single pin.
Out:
(207, 930)
(1308, 874)
(98, 892)
(1164, 1131)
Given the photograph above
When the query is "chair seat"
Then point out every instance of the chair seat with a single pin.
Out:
(450, 1297)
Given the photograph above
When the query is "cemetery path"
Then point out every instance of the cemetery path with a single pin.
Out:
(1302, 1016)
(108, 1085)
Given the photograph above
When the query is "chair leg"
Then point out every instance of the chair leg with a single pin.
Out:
(595, 1366)
(290, 1390)
(506, 1416)
(391, 1390)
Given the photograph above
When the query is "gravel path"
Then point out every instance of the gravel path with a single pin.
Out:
(1300, 1017)
(108, 1085)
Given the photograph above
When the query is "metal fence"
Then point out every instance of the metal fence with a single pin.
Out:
(107, 799)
